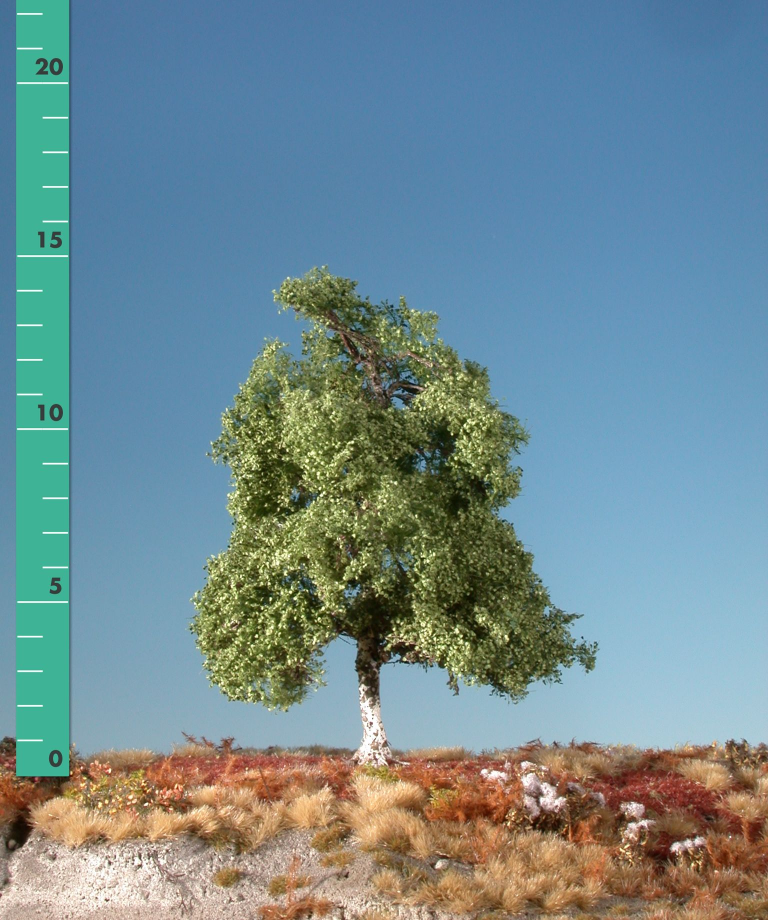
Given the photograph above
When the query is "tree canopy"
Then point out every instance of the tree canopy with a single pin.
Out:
(368, 478)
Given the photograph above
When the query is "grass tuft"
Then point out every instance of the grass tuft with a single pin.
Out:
(537, 829)
(330, 838)
(713, 776)
(226, 878)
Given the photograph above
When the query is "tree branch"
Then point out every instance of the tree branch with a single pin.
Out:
(406, 385)
(410, 354)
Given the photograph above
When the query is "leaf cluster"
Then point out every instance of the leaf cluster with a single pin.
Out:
(367, 479)
(98, 789)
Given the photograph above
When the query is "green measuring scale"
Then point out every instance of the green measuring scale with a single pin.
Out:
(42, 388)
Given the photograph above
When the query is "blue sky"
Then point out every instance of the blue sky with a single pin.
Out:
(579, 192)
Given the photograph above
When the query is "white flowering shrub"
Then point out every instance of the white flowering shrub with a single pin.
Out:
(632, 810)
(636, 833)
(690, 852)
(543, 804)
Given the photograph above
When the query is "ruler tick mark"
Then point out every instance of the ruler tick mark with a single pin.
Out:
(49, 729)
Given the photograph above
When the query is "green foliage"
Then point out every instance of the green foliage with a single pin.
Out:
(109, 794)
(367, 480)
(440, 797)
(383, 773)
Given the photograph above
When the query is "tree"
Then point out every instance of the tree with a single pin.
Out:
(367, 479)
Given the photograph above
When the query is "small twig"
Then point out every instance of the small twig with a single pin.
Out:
(342, 873)
(403, 858)
(264, 780)
(175, 878)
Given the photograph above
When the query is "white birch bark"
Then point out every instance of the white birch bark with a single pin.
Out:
(375, 748)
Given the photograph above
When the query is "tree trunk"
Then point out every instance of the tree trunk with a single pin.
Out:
(375, 747)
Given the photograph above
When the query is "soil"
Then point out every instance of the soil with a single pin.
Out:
(137, 879)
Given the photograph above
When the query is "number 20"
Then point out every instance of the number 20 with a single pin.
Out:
(55, 64)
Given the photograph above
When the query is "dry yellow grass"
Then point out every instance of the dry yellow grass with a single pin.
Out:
(748, 806)
(311, 810)
(545, 871)
(389, 882)
(439, 754)
(504, 870)
(625, 756)
(454, 840)
(582, 764)
(375, 795)
(583, 896)
(161, 825)
(703, 911)
(131, 757)
(388, 814)
(395, 828)
(308, 784)
(454, 891)
(192, 750)
(713, 776)
(629, 881)
(249, 826)
(678, 824)
(748, 777)
(339, 859)
(68, 822)
(228, 795)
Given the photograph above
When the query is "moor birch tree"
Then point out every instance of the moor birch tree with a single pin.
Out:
(368, 479)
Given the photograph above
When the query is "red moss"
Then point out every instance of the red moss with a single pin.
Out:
(661, 792)
(657, 790)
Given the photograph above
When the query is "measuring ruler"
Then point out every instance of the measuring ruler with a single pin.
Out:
(42, 387)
